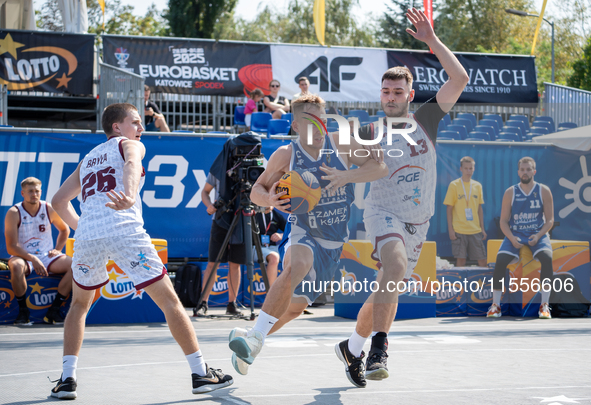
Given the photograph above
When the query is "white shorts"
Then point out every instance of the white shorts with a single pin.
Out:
(135, 255)
(383, 227)
(247, 118)
(45, 259)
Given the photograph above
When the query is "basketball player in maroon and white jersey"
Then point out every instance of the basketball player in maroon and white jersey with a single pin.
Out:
(29, 241)
(110, 226)
(399, 206)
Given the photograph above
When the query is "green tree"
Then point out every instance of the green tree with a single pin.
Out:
(393, 24)
(581, 77)
(196, 18)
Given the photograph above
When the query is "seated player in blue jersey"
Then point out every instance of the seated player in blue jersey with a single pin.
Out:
(313, 242)
(527, 214)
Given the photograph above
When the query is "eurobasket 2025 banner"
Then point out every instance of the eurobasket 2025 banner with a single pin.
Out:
(51, 62)
(192, 66)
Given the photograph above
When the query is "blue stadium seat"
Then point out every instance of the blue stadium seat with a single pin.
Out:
(287, 116)
(278, 127)
(519, 124)
(441, 126)
(508, 136)
(483, 136)
(545, 118)
(495, 117)
(447, 119)
(259, 121)
(491, 123)
(475, 139)
(539, 131)
(381, 114)
(514, 130)
(521, 118)
(361, 114)
(568, 125)
(459, 128)
(184, 131)
(468, 116)
(239, 116)
(465, 122)
(544, 124)
(450, 134)
(486, 129)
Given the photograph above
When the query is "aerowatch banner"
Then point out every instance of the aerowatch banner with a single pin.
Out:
(205, 67)
(52, 62)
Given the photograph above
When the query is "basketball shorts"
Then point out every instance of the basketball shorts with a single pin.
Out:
(383, 227)
(508, 248)
(45, 259)
(134, 254)
(326, 262)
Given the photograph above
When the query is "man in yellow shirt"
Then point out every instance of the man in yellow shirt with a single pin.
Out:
(465, 221)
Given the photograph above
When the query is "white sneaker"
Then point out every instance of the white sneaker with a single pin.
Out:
(239, 365)
(494, 311)
(544, 311)
(247, 347)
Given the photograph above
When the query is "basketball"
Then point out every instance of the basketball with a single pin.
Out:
(302, 187)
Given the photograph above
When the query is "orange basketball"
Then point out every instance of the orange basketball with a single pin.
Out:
(302, 188)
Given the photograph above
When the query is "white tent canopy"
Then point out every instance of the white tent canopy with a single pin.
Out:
(17, 14)
(74, 15)
(574, 139)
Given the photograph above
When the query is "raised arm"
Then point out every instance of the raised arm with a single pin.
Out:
(451, 90)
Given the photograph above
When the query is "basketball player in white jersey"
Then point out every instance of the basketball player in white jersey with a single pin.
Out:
(399, 206)
(111, 226)
(27, 230)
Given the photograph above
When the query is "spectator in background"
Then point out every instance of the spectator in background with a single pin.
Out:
(235, 255)
(275, 104)
(465, 217)
(251, 105)
(304, 85)
(154, 120)
(271, 227)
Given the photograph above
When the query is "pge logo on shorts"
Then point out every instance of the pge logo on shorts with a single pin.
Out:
(83, 268)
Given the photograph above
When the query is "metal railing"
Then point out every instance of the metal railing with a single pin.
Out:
(567, 104)
(3, 105)
(118, 86)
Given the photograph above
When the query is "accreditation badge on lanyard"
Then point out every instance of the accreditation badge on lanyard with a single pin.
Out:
(266, 239)
(469, 215)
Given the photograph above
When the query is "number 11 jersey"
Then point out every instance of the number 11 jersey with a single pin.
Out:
(101, 171)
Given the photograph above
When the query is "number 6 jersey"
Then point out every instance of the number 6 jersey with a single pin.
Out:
(101, 171)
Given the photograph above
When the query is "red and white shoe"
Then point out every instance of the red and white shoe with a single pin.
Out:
(494, 311)
(544, 312)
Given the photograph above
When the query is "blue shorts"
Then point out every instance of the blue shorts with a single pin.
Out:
(508, 248)
(326, 262)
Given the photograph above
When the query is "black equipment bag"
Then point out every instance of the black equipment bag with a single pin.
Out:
(571, 304)
(187, 284)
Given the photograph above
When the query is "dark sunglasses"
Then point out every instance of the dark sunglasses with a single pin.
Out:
(274, 85)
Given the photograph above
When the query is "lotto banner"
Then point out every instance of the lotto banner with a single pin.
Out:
(493, 78)
(43, 61)
(194, 66)
(41, 292)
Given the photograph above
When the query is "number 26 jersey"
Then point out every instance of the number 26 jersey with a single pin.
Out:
(102, 171)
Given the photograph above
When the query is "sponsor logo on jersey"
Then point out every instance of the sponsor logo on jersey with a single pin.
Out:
(414, 175)
(415, 198)
(32, 245)
(83, 268)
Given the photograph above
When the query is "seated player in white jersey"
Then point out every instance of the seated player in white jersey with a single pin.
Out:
(313, 242)
(527, 214)
(111, 226)
(399, 206)
(29, 241)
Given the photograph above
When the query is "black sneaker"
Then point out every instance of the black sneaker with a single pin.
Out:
(23, 317)
(64, 389)
(201, 310)
(213, 380)
(53, 316)
(354, 368)
(232, 309)
(377, 365)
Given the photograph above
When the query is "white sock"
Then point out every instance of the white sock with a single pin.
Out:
(69, 367)
(264, 324)
(375, 332)
(197, 363)
(546, 296)
(497, 297)
(356, 342)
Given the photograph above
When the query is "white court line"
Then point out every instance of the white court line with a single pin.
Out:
(395, 329)
(300, 355)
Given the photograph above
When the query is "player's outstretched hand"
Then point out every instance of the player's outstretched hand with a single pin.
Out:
(337, 178)
(274, 201)
(533, 240)
(422, 25)
(119, 201)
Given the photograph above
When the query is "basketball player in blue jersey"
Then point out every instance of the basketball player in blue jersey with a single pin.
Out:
(527, 214)
(311, 248)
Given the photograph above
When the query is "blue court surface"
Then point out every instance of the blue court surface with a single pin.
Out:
(432, 361)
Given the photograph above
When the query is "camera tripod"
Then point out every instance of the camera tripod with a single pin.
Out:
(250, 234)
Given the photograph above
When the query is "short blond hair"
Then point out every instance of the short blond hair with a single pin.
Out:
(30, 181)
(527, 159)
(466, 159)
(306, 101)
